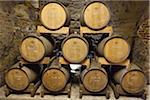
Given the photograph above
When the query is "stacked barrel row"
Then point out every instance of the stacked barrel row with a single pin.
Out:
(34, 48)
(75, 49)
(115, 49)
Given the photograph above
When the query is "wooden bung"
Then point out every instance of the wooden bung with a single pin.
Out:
(114, 48)
(35, 48)
(95, 78)
(55, 77)
(54, 15)
(132, 80)
(75, 48)
(18, 78)
(95, 15)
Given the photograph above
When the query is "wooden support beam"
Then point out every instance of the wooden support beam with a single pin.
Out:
(45, 60)
(63, 30)
(103, 61)
(86, 30)
(86, 62)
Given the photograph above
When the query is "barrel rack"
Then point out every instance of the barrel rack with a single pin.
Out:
(32, 89)
(43, 30)
(83, 91)
(66, 90)
(86, 30)
(45, 60)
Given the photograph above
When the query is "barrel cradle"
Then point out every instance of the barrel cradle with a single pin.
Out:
(34, 48)
(55, 77)
(75, 48)
(18, 78)
(115, 49)
(132, 80)
(94, 20)
(54, 15)
(95, 78)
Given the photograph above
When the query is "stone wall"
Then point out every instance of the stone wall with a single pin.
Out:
(15, 24)
(141, 47)
(19, 19)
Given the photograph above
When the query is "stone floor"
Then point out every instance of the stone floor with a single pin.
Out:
(74, 96)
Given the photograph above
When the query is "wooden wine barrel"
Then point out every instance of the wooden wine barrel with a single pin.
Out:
(18, 79)
(55, 78)
(94, 79)
(115, 49)
(75, 48)
(131, 80)
(54, 15)
(95, 15)
(34, 48)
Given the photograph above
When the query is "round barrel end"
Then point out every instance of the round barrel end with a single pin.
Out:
(16, 79)
(96, 20)
(75, 50)
(133, 81)
(32, 49)
(95, 80)
(54, 80)
(116, 50)
(53, 15)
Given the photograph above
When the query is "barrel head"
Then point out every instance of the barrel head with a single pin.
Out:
(96, 20)
(133, 82)
(54, 80)
(53, 15)
(32, 49)
(75, 50)
(116, 50)
(95, 80)
(16, 79)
